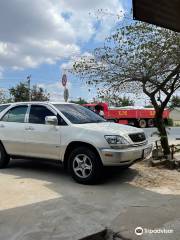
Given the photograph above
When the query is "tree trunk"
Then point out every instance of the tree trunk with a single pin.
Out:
(163, 134)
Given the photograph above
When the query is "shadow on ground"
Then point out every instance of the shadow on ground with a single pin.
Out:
(110, 174)
(79, 210)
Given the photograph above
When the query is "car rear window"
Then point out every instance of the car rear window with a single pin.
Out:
(2, 107)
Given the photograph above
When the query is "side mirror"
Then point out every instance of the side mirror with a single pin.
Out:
(51, 120)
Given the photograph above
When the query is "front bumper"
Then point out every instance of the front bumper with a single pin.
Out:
(122, 157)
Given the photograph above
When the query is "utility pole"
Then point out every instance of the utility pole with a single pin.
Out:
(29, 86)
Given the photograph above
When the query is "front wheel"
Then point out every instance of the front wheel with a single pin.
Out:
(4, 158)
(85, 165)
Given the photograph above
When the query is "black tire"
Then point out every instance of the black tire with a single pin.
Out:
(4, 158)
(142, 123)
(150, 123)
(92, 160)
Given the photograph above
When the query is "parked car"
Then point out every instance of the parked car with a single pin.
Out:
(80, 139)
(3, 106)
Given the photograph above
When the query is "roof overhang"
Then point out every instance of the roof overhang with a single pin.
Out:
(163, 13)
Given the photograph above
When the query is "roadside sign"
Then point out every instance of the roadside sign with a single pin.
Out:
(66, 94)
(64, 80)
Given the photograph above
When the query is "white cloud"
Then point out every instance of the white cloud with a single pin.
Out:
(84, 17)
(56, 90)
(67, 65)
(45, 31)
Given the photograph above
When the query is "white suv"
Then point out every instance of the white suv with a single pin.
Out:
(75, 136)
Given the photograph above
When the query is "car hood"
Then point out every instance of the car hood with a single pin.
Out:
(110, 128)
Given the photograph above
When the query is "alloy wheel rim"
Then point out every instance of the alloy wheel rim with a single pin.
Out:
(82, 166)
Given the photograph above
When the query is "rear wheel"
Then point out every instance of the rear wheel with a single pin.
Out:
(85, 165)
(4, 158)
(150, 123)
(142, 123)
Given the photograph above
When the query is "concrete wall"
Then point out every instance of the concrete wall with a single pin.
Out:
(175, 115)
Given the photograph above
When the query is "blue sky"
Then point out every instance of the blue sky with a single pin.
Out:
(42, 37)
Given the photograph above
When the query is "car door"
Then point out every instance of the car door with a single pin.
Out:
(42, 140)
(12, 129)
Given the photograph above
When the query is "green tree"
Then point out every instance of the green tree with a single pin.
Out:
(20, 93)
(116, 100)
(3, 98)
(38, 94)
(126, 101)
(149, 106)
(137, 58)
(175, 102)
(79, 101)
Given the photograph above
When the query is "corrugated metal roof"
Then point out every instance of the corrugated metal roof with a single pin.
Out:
(164, 13)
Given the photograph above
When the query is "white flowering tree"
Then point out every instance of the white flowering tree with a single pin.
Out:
(137, 58)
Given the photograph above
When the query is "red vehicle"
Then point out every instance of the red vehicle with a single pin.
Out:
(139, 117)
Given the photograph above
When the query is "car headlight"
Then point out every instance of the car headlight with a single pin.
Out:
(116, 139)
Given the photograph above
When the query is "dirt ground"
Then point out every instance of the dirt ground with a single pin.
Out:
(157, 179)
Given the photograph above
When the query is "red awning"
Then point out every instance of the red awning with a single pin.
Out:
(163, 13)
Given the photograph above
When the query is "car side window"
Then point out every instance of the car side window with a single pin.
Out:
(38, 114)
(15, 114)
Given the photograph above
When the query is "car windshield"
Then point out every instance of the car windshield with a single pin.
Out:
(79, 115)
(2, 107)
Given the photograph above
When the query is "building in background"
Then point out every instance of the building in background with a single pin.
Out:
(175, 116)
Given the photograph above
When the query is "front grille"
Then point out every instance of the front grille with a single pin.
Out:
(137, 137)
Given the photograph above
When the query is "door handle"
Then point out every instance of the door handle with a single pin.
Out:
(29, 128)
(2, 126)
